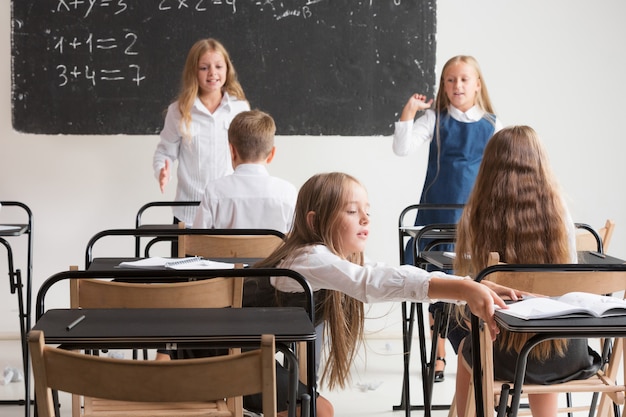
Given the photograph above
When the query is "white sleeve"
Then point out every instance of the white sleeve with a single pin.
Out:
(169, 145)
(411, 134)
(373, 282)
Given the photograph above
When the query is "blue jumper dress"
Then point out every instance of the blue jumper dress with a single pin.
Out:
(450, 176)
(452, 170)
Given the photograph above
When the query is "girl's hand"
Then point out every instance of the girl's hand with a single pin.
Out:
(164, 175)
(417, 102)
(480, 300)
(505, 292)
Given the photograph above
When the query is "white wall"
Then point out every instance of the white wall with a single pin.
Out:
(556, 66)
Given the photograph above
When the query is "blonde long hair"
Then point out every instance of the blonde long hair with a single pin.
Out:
(482, 100)
(515, 209)
(189, 83)
(326, 195)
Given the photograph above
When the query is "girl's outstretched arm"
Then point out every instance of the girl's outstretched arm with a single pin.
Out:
(480, 298)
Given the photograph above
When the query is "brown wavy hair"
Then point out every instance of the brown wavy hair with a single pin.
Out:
(189, 82)
(515, 209)
(326, 195)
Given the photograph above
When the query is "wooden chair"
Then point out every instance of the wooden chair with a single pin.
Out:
(588, 239)
(211, 293)
(184, 383)
(606, 233)
(494, 259)
(553, 282)
(242, 243)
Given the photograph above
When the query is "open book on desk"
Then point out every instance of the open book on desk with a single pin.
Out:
(194, 262)
(573, 304)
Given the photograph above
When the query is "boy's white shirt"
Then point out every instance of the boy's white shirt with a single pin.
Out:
(249, 198)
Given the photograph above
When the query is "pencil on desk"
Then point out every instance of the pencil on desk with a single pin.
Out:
(74, 323)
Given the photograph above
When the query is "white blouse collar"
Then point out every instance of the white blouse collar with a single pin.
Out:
(474, 114)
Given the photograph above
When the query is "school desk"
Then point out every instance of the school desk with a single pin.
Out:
(183, 328)
(545, 329)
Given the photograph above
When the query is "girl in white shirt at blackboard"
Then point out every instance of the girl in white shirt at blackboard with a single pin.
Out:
(196, 125)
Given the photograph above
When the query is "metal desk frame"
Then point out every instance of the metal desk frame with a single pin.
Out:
(24, 293)
(441, 233)
(140, 225)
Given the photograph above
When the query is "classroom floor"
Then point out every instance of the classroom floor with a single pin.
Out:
(375, 388)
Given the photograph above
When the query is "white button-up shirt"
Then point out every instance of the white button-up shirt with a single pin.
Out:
(249, 198)
(205, 157)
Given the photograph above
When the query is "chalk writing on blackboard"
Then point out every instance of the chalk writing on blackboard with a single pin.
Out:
(320, 67)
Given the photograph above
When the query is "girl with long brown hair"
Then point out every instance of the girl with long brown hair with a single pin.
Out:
(517, 210)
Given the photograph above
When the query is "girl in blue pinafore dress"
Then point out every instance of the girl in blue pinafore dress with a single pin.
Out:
(458, 129)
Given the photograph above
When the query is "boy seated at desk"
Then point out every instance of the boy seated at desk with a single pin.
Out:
(249, 198)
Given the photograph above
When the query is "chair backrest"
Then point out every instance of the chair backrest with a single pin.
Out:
(606, 233)
(242, 245)
(183, 380)
(554, 282)
(211, 293)
(588, 239)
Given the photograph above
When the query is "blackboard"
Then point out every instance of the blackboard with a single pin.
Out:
(319, 67)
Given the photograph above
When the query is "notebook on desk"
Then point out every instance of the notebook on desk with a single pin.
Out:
(193, 262)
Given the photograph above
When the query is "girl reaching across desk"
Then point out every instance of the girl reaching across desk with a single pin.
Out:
(326, 245)
(517, 210)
